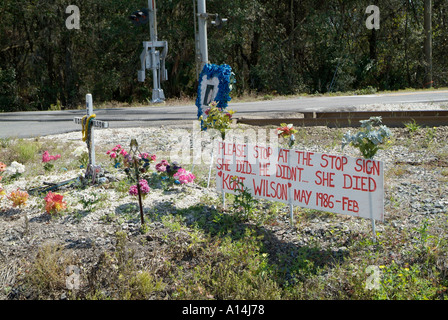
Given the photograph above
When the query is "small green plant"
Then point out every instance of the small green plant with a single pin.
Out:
(368, 140)
(424, 236)
(430, 135)
(412, 126)
(243, 203)
(405, 283)
(46, 274)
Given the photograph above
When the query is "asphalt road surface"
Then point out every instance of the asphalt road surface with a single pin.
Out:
(42, 123)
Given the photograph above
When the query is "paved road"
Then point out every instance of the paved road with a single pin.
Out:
(41, 123)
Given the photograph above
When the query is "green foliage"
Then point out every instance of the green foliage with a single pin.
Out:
(405, 283)
(24, 151)
(8, 90)
(276, 47)
(412, 126)
(243, 203)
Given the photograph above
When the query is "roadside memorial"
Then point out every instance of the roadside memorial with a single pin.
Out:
(320, 181)
(89, 122)
(215, 84)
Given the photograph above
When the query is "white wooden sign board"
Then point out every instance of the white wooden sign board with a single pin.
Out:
(209, 91)
(332, 183)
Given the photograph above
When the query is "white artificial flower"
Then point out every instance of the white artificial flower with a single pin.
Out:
(79, 151)
(14, 168)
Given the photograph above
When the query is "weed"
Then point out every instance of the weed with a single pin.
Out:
(47, 273)
(24, 151)
(412, 126)
(405, 283)
(243, 203)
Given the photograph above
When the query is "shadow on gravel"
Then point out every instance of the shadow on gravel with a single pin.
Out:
(288, 258)
(10, 214)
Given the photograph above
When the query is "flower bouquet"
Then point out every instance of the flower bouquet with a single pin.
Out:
(81, 153)
(173, 173)
(286, 132)
(18, 198)
(2, 169)
(122, 159)
(368, 140)
(144, 188)
(46, 158)
(14, 170)
(217, 118)
(54, 203)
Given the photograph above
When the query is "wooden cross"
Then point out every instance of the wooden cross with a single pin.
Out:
(88, 122)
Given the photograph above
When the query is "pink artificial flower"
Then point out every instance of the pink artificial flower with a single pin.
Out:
(47, 158)
(116, 148)
(161, 166)
(184, 176)
(153, 157)
(144, 188)
(113, 155)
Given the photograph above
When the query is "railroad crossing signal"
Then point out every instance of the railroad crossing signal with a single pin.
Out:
(151, 58)
(140, 17)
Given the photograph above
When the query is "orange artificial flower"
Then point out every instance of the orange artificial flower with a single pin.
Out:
(54, 202)
(18, 198)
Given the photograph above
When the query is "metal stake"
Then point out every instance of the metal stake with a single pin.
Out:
(133, 150)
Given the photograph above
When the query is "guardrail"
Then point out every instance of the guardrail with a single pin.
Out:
(338, 119)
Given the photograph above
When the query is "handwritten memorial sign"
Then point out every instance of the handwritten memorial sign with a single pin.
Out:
(333, 183)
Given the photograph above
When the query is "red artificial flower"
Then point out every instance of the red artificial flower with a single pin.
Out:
(54, 202)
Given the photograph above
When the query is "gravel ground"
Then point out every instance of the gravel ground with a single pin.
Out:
(416, 189)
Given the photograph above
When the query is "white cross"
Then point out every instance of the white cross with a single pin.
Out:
(93, 123)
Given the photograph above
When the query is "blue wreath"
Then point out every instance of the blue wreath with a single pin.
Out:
(225, 76)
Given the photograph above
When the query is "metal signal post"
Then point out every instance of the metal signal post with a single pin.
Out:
(201, 32)
(151, 58)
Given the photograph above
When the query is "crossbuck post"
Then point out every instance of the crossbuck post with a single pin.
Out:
(88, 122)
